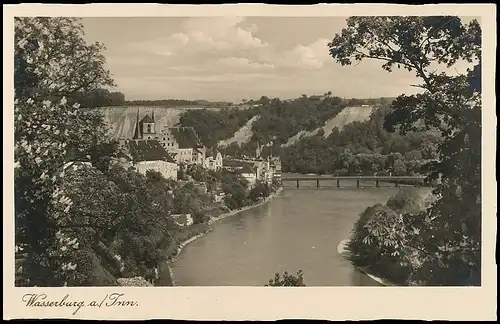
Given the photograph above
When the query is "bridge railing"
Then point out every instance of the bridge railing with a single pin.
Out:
(397, 180)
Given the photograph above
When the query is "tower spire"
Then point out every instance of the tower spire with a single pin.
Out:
(153, 115)
(137, 132)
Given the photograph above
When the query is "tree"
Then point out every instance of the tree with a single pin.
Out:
(52, 59)
(287, 280)
(101, 98)
(451, 232)
(260, 190)
(52, 65)
(399, 167)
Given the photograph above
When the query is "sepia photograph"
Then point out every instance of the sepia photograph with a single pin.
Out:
(247, 151)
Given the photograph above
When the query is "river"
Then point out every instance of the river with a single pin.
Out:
(299, 229)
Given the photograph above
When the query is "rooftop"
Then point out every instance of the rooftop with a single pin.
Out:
(186, 137)
(148, 150)
(147, 119)
(247, 169)
(237, 163)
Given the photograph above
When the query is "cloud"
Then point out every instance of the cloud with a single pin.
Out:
(313, 55)
(212, 79)
(228, 58)
(243, 63)
(205, 34)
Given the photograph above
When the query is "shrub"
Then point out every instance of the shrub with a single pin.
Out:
(405, 200)
(287, 280)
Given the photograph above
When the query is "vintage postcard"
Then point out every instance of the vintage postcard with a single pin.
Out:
(249, 162)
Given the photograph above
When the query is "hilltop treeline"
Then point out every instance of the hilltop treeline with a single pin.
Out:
(100, 98)
(178, 103)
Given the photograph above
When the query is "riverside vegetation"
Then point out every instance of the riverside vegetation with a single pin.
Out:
(439, 244)
(287, 280)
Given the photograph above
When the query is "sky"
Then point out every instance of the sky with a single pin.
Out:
(234, 58)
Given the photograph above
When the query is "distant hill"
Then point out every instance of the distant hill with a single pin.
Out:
(178, 103)
(242, 135)
(345, 117)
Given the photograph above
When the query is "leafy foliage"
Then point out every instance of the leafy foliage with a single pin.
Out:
(261, 190)
(287, 280)
(448, 237)
(101, 98)
(52, 64)
(235, 188)
(362, 147)
(213, 126)
(52, 59)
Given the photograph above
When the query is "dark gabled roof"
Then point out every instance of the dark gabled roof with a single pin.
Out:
(147, 119)
(236, 164)
(247, 169)
(186, 137)
(211, 152)
(148, 150)
(121, 154)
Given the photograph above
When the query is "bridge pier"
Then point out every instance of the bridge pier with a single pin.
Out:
(357, 183)
(396, 184)
(377, 184)
(338, 183)
(297, 183)
(317, 183)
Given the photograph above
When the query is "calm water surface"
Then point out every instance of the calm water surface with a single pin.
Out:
(300, 229)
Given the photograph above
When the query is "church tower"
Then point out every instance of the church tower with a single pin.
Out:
(137, 131)
(257, 151)
(148, 126)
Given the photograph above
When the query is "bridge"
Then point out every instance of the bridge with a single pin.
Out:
(377, 179)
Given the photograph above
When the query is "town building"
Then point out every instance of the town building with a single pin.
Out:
(219, 196)
(244, 167)
(144, 152)
(251, 170)
(249, 174)
(183, 144)
(145, 128)
(150, 155)
(275, 165)
(213, 160)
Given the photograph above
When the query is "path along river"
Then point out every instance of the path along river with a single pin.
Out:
(299, 229)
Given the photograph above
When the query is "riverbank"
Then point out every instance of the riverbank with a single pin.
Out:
(345, 253)
(212, 221)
